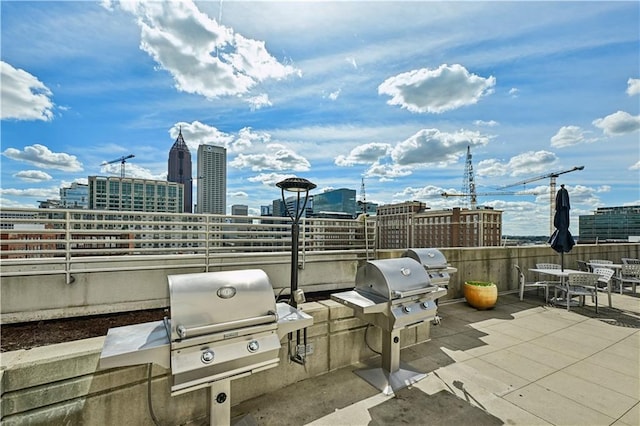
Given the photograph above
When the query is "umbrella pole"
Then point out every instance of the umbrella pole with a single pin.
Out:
(562, 261)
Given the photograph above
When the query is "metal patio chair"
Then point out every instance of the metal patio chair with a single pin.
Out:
(523, 284)
(580, 284)
(582, 266)
(604, 281)
(629, 276)
(549, 266)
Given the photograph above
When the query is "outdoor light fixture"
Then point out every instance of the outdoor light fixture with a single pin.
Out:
(297, 185)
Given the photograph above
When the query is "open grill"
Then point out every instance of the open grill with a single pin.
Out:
(393, 294)
(223, 325)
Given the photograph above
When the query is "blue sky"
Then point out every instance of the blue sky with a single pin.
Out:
(392, 92)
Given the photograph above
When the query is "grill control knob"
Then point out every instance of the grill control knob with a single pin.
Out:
(425, 305)
(406, 309)
(253, 346)
(207, 356)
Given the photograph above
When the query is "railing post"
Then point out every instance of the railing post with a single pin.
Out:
(67, 245)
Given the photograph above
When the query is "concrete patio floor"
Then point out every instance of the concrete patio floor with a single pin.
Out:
(521, 363)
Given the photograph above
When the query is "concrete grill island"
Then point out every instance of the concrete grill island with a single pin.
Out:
(226, 325)
(223, 325)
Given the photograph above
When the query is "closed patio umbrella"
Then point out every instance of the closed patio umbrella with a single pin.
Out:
(561, 240)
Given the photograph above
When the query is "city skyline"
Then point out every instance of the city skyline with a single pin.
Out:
(330, 91)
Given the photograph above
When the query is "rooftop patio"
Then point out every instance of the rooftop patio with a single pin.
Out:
(521, 363)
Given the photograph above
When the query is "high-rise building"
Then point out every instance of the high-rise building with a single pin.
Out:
(212, 179)
(612, 224)
(179, 170)
(341, 200)
(133, 194)
(75, 196)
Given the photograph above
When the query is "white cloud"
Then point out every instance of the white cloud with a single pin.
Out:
(569, 136)
(132, 170)
(514, 92)
(490, 123)
(11, 204)
(278, 158)
(386, 172)
(618, 123)
(258, 102)
(436, 90)
(269, 179)
(523, 164)
(197, 133)
(334, 95)
(247, 137)
(41, 156)
(431, 146)
(33, 176)
(490, 167)
(203, 56)
(23, 96)
(635, 166)
(633, 86)
(41, 193)
(531, 162)
(424, 193)
(364, 154)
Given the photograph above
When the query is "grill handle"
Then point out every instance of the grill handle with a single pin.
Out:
(400, 294)
(185, 332)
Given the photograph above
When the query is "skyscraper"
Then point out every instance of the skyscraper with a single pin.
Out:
(212, 179)
(180, 169)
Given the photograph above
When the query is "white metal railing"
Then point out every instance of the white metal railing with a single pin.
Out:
(51, 241)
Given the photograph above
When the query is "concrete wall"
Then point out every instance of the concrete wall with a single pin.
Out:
(128, 283)
(60, 384)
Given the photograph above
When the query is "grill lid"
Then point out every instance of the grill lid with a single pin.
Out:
(211, 302)
(430, 258)
(392, 279)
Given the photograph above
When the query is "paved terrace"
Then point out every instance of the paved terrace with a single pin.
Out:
(521, 363)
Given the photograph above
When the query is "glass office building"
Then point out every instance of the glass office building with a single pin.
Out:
(610, 224)
(341, 200)
(75, 196)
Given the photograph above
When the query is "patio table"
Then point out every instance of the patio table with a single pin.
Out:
(562, 274)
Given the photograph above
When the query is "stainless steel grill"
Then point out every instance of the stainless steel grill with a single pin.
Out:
(435, 263)
(223, 325)
(393, 294)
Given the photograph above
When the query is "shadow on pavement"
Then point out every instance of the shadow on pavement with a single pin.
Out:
(411, 406)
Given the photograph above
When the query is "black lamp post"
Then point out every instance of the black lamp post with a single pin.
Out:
(297, 185)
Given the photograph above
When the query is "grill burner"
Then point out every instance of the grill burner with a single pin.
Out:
(393, 294)
(224, 325)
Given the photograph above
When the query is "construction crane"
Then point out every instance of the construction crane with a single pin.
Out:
(120, 160)
(363, 204)
(488, 194)
(469, 186)
(552, 189)
(468, 182)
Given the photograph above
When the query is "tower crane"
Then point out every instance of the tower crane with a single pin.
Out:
(469, 186)
(468, 183)
(120, 160)
(487, 194)
(552, 189)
